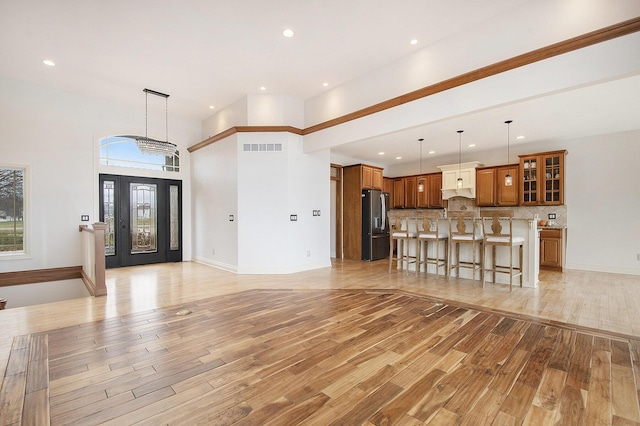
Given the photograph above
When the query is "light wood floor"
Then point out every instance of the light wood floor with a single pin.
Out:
(395, 355)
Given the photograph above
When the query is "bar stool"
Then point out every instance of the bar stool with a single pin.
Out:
(494, 237)
(400, 233)
(459, 222)
(428, 231)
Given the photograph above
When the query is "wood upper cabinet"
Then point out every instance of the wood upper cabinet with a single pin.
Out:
(435, 191)
(410, 192)
(371, 177)
(422, 197)
(507, 195)
(378, 179)
(387, 186)
(486, 187)
(491, 190)
(398, 193)
(542, 178)
(411, 197)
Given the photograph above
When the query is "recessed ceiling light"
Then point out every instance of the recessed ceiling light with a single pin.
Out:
(472, 145)
(325, 84)
(211, 107)
(398, 158)
(263, 88)
(288, 33)
(519, 137)
(49, 63)
(381, 153)
(414, 41)
(432, 152)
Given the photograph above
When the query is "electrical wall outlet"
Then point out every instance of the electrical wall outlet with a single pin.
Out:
(231, 218)
(638, 256)
(552, 215)
(308, 253)
(213, 251)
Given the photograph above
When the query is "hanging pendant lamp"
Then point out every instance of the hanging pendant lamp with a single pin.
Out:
(460, 183)
(421, 184)
(508, 179)
(148, 145)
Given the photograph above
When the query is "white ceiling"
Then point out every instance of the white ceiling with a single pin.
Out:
(214, 52)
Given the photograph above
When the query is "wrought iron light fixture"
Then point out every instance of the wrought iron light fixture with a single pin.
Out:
(421, 184)
(460, 183)
(508, 179)
(148, 145)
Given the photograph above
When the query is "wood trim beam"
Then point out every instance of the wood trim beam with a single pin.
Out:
(40, 275)
(594, 37)
(243, 129)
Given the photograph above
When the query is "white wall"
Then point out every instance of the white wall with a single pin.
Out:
(55, 133)
(214, 189)
(261, 190)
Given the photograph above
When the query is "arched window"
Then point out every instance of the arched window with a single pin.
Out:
(123, 151)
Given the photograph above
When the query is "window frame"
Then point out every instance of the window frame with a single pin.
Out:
(25, 253)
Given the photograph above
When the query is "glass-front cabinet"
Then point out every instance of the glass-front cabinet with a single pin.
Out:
(542, 178)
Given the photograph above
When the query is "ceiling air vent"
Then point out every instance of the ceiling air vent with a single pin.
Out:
(262, 147)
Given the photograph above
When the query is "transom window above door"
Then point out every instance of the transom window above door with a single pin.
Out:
(123, 151)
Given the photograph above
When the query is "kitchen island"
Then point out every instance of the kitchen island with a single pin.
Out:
(525, 228)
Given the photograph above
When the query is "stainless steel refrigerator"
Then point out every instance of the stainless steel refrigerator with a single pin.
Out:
(375, 224)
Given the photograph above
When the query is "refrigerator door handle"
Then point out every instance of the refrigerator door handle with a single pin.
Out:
(384, 212)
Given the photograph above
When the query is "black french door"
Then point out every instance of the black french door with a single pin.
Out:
(143, 218)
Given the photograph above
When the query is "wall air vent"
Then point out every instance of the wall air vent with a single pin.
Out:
(262, 147)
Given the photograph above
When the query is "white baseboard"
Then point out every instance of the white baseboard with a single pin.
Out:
(220, 265)
(261, 270)
(601, 268)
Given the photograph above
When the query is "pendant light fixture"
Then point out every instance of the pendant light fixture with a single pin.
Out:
(421, 184)
(148, 145)
(508, 179)
(459, 183)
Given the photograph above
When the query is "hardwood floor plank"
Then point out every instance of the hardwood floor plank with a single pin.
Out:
(572, 407)
(579, 372)
(36, 408)
(364, 409)
(624, 393)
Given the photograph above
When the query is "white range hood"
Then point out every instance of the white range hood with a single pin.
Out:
(450, 175)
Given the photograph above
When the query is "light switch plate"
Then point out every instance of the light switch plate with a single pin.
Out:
(552, 215)
(84, 218)
(293, 217)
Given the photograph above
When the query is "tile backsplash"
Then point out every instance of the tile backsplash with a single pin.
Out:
(522, 212)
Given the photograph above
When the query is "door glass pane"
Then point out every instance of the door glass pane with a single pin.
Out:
(143, 218)
(108, 204)
(174, 222)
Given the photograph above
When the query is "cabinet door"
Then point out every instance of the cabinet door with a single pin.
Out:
(398, 193)
(486, 187)
(507, 195)
(529, 184)
(387, 186)
(410, 192)
(367, 177)
(553, 187)
(423, 197)
(435, 190)
(449, 179)
(377, 179)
